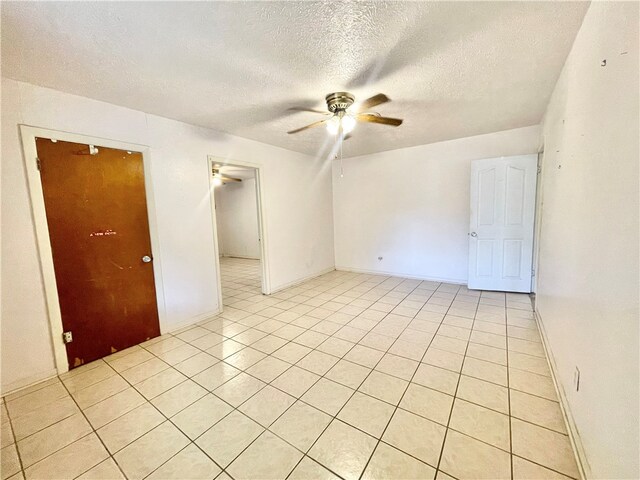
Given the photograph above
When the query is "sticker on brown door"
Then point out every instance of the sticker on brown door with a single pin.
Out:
(99, 229)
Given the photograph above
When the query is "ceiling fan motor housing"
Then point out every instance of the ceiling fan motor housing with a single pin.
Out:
(339, 101)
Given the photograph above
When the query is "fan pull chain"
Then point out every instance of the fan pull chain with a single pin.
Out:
(341, 142)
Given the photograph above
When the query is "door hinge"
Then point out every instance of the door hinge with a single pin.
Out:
(38, 163)
(539, 168)
(67, 337)
(533, 272)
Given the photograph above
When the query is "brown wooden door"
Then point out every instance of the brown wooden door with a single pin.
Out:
(98, 224)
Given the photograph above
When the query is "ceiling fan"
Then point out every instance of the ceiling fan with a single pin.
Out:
(220, 179)
(343, 118)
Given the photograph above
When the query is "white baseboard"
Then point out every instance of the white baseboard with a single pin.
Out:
(18, 385)
(456, 281)
(191, 321)
(300, 280)
(225, 255)
(572, 429)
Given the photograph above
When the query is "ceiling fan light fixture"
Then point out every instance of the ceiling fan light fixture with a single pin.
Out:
(348, 124)
(217, 181)
(341, 120)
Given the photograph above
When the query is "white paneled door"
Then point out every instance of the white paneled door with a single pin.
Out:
(503, 196)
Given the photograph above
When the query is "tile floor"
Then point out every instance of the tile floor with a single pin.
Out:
(345, 376)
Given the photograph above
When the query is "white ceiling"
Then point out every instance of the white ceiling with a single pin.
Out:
(452, 69)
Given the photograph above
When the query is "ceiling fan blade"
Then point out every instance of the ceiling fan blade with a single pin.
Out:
(230, 179)
(311, 125)
(304, 109)
(374, 101)
(347, 136)
(369, 117)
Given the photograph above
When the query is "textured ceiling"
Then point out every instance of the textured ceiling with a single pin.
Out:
(452, 69)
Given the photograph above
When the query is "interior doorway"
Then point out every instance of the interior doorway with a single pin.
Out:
(236, 199)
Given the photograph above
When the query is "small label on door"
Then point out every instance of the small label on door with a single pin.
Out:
(102, 233)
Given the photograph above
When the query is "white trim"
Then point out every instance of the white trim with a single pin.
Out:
(28, 136)
(28, 382)
(279, 288)
(262, 224)
(240, 256)
(193, 320)
(572, 429)
(455, 281)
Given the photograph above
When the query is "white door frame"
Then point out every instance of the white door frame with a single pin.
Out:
(262, 228)
(28, 135)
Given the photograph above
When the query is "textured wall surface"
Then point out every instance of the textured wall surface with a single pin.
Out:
(589, 263)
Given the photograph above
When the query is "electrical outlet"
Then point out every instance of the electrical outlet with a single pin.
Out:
(576, 379)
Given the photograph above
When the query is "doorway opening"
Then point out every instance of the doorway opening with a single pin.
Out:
(236, 200)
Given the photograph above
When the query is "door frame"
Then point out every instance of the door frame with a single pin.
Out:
(262, 228)
(28, 136)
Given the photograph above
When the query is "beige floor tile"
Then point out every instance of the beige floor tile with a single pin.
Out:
(449, 344)
(10, 464)
(44, 416)
(100, 391)
(160, 383)
(180, 354)
(6, 434)
(365, 356)
(225, 349)
(144, 370)
(481, 423)
(295, 381)
(251, 335)
(147, 453)
(318, 362)
(525, 470)
(192, 334)
(196, 364)
(309, 469)
(532, 383)
(443, 359)
(216, 375)
(106, 470)
(416, 436)
(544, 447)
(389, 463)
(397, 366)
(245, 358)
(226, 439)
(489, 354)
(53, 438)
(343, 449)
(427, 403)
(266, 458)
(291, 352)
(71, 461)
(377, 341)
(48, 382)
(436, 378)
(32, 401)
(466, 458)
(529, 363)
(301, 425)
(208, 341)
(201, 415)
(269, 344)
(525, 346)
(129, 427)
(540, 411)
(239, 389)
(311, 339)
(483, 393)
(89, 377)
(267, 405)
(348, 373)
(335, 346)
(113, 407)
(488, 371)
(367, 413)
(122, 363)
(328, 396)
(407, 349)
(268, 369)
(164, 345)
(385, 387)
(178, 398)
(190, 463)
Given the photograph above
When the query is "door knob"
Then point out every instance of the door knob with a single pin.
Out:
(473, 234)
(146, 259)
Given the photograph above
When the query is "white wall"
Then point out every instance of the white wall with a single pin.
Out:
(411, 206)
(298, 215)
(237, 218)
(588, 271)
